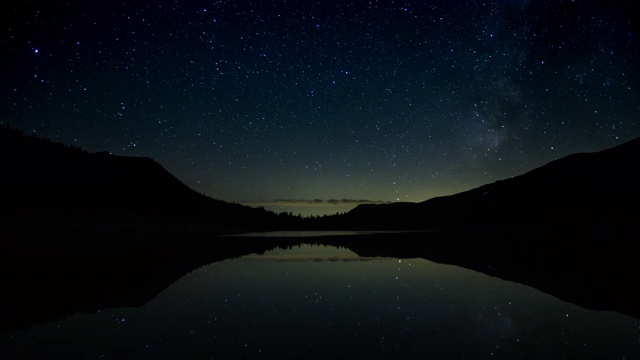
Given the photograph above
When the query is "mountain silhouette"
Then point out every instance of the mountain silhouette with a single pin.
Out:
(593, 190)
(55, 186)
(49, 186)
(568, 228)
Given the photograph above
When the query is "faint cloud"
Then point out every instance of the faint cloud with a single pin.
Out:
(312, 258)
(316, 202)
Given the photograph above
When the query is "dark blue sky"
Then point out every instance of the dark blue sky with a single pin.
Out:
(258, 101)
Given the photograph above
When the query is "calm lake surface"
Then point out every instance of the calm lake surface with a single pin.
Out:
(319, 301)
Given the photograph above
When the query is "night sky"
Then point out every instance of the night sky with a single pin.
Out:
(297, 105)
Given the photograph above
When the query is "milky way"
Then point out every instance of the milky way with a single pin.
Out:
(254, 101)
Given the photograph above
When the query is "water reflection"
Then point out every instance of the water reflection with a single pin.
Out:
(318, 301)
(317, 233)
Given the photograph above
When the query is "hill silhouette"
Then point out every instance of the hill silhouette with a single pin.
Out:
(49, 186)
(56, 186)
(586, 190)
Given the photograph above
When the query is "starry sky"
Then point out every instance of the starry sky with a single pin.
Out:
(317, 106)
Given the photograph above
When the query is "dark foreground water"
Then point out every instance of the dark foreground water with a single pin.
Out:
(327, 302)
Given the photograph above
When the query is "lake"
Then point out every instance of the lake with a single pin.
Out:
(316, 301)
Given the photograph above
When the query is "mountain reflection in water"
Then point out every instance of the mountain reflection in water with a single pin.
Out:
(322, 301)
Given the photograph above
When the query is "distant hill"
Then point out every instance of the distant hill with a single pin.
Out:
(47, 186)
(598, 190)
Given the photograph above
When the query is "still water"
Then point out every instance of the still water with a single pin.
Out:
(318, 301)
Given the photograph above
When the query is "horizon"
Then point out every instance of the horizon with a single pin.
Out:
(299, 108)
(312, 207)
